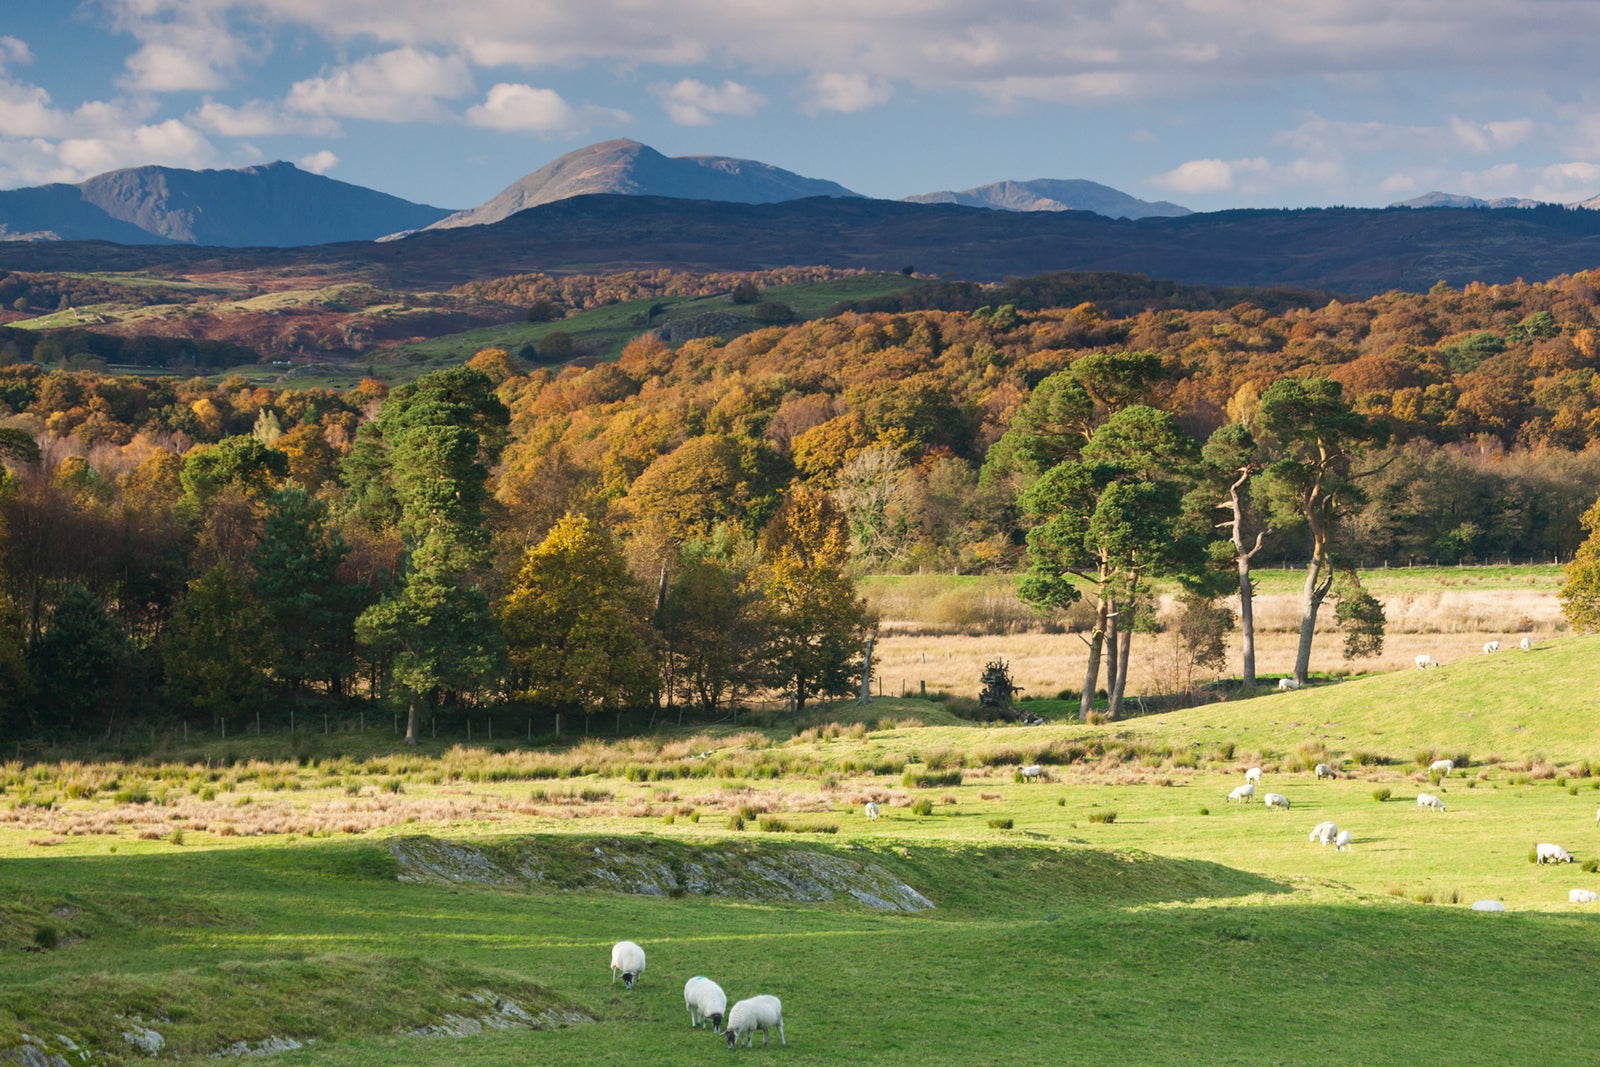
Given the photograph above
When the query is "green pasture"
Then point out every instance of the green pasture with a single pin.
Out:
(1127, 914)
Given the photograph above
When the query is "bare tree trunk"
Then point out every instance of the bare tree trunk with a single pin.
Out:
(866, 675)
(413, 720)
(1242, 557)
(1317, 585)
(1092, 673)
(1113, 633)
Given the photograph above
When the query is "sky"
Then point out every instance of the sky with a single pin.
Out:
(1213, 104)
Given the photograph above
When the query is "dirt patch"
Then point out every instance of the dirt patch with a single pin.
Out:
(647, 867)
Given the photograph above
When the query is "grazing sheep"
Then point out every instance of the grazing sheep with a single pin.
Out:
(1324, 832)
(1597, 816)
(1526, 644)
(871, 811)
(1425, 661)
(1287, 683)
(705, 1001)
(1443, 766)
(1325, 770)
(1243, 792)
(1276, 800)
(1253, 775)
(1342, 842)
(1491, 647)
(1548, 853)
(1487, 905)
(1582, 896)
(1031, 773)
(1428, 800)
(627, 958)
(752, 1014)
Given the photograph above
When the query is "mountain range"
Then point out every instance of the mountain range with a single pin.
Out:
(1047, 194)
(275, 204)
(278, 204)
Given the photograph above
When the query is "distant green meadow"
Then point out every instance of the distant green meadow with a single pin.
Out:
(1130, 914)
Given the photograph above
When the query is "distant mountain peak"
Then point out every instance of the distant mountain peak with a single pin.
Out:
(268, 204)
(629, 168)
(1055, 194)
(1438, 199)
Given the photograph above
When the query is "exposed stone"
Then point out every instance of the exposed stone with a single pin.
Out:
(265, 1047)
(145, 1040)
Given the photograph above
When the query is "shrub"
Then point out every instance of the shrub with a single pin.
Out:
(932, 779)
(1000, 824)
(46, 937)
(1381, 794)
(771, 824)
(922, 807)
(176, 837)
(1590, 866)
(1103, 816)
(1225, 751)
(1205, 811)
(1363, 758)
(735, 822)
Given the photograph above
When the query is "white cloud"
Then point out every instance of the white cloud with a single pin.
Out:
(513, 108)
(691, 102)
(1201, 176)
(1488, 137)
(402, 85)
(171, 143)
(14, 51)
(258, 118)
(844, 92)
(25, 111)
(192, 50)
(319, 162)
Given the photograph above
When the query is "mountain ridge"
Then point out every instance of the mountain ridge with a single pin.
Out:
(1055, 194)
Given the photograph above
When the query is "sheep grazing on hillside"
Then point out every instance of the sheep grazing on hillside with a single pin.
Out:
(755, 1013)
(1487, 905)
(627, 959)
(1526, 644)
(1491, 648)
(1276, 800)
(1325, 770)
(1253, 775)
(1424, 661)
(1287, 683)
(871, 810)
(1031, 773)
(1342, 842)
(1428, 800)
(1243, 792)
(1545, 852)
(706, 1002)
(1582, 896)
(1442, 766)
(1324, 832)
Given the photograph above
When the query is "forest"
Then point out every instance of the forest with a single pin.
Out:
(681, 529)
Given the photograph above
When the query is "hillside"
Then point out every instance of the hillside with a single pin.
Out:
(1046, 194)
(629, 168)
(1343, 250)
(275, 204)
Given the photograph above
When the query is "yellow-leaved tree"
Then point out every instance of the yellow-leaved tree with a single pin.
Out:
(1580, 593)
(576, 624)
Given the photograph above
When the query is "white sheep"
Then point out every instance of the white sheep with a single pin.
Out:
(1342, 842)
(705, 1001)
(1487, 905)
(1491, 648)
(1287, 683)
(752, 1014)
(1545, 852)
(1443, 766)
(1032, 772)
(872, 811)
(1276, 800)
(1243, 792)
(1428, 800)
(1325, 770)
(1253, 775)
(1526, 644)
(1324, 832)
(1597, 816)
(1424, 661)
(1582, 896)
(627, 959)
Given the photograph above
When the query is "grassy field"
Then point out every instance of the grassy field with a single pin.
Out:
(604, 331)
(1119, 910)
